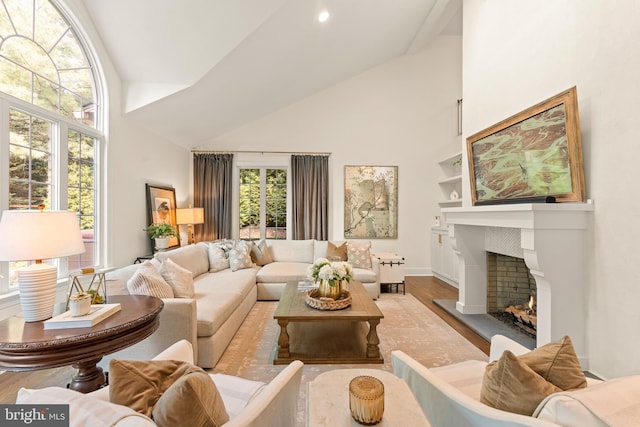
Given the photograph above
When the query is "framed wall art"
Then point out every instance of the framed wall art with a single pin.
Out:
(371, 202)
(161, 208)
(535, 155)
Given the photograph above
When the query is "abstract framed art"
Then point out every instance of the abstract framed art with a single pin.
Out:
(161, 208)
(533, 155)
(371, 202)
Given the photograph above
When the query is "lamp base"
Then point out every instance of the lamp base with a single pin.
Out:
(37, 288)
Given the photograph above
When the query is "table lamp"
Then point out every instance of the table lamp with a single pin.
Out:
(190, 216)
(34, 236)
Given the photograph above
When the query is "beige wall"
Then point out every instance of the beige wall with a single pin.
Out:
(516, 54)
(401, 113)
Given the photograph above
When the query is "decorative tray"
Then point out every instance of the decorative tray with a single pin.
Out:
(314, 300)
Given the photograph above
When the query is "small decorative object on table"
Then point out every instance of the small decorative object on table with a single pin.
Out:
(366, 399)
(332, 277)
(80, 304)
(88, 281)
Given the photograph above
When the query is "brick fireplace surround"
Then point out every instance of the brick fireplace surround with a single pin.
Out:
(550, 238)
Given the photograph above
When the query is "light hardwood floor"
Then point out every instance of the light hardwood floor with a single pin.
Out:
(425, 289)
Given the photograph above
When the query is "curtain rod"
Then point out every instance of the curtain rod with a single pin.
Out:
(312, 153)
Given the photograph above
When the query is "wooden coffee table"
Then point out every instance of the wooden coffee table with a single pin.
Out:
(27, 346)
(321, 337)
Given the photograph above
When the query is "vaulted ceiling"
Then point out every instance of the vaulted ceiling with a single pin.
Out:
(195, 69)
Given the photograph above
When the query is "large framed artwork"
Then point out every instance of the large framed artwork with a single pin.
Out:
(535, 155)
(371, 202)
(161, 208)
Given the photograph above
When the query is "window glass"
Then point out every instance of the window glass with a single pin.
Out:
(44, 64)
(263, 204)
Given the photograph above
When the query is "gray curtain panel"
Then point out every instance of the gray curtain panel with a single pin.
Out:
(310, 196)
(212, 181)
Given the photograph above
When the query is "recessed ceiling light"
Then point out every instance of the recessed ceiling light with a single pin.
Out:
(324, 16)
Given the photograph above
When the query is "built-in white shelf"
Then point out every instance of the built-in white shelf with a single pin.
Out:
(451, 203)
(451, 180)
(448, 161)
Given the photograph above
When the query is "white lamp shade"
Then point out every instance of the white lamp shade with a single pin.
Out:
(35, 235)
(190, 216)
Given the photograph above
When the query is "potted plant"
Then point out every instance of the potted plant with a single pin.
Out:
(161, 233)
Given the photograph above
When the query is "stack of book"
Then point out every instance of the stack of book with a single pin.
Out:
(98, 313)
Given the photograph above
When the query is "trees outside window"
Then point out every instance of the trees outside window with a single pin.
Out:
(263, 203)
(50, 101)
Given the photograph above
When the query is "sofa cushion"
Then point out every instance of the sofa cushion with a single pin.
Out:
(180, 279)
(218, 257)
(236, 392)
(359, 254)
(465, 376)
(557, 363)
(148, 281)
(291, 250)
(169, 389)
(192, 257)
(84, 410)
(260, 253)
(510, 385)
(280, 272)
(364, 275)
(218, 295)
(240, 256)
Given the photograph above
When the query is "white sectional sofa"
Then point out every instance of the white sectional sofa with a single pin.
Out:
(223, 298)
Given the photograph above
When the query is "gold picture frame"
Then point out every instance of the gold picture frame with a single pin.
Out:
(161, 208)
(535, 155)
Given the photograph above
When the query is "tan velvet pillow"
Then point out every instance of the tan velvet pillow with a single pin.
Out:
(260, 253)
(510, 385)
(193, 400)
(338, 251)
(557, 363)
(157, 387)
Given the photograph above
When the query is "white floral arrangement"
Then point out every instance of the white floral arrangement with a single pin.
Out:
(333, 272)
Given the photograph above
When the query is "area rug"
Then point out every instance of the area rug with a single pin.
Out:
(407, 325)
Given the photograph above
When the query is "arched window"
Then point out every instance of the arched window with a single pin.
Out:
(50, 100)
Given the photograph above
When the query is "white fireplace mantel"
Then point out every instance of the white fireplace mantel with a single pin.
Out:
(551, 239)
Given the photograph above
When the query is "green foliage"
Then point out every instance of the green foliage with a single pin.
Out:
(161, 230)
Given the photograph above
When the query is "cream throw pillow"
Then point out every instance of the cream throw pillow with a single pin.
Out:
(240, 256)
(218, 259)
(359, 254)
(148, 281)
(180, 279)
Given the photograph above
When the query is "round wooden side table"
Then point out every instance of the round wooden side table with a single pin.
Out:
(27, 346)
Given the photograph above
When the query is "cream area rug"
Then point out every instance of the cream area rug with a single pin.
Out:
(407, 325)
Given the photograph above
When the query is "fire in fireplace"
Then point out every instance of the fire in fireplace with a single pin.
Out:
(511, 291)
